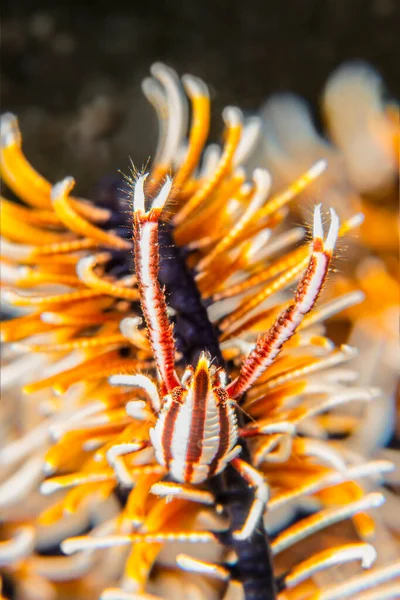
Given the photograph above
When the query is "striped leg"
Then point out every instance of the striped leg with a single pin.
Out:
(269, 345)
(151, 295)
(255, 479)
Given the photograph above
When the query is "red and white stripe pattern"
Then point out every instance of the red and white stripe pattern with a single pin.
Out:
(147, 265)
(308, 290)
(196, 432)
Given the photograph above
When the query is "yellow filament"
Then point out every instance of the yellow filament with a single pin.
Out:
(21, 178)
(144, 554)
(135, 510)
(198, 136)
(95, 282)
(64, 247)
(198, 226)
(259, 322)
(82, 477)
(33, 217)
(73, 372)
(215, 279)
(102, 366)
(82, 320)
(30, 186)
(273, 270)
(18, 300)
(22, 327)
(232, 140)
(80, 343)
(249, 304)
(15, 229)
(76, 496)
(32, 278)
(295, 188)
(74, 222)
(227, 241)
(316, 563)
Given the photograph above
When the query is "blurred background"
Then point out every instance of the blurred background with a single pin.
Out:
(72, 72)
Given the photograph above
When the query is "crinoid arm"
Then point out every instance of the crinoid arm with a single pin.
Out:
(306, 295)
(139, 381)
(255, 479)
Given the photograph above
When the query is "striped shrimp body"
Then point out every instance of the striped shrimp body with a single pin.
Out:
(196, 430)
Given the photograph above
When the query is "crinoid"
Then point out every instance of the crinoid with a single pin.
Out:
(175, 392)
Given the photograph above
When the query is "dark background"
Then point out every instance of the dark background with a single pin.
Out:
(72, 72)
